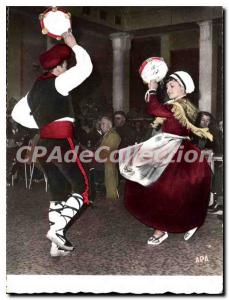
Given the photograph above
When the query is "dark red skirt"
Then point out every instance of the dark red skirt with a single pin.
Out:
(178, 201)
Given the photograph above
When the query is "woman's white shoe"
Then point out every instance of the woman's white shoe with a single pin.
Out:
(56, 251)
(189, 233)
(153, 240)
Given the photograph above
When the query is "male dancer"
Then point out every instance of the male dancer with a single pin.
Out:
(48, 107)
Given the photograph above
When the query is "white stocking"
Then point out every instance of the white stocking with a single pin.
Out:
(69, 210)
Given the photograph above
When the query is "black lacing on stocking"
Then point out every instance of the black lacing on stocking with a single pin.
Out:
(73, 208)
(57, 210)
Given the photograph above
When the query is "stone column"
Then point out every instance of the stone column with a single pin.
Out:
(165, 48)
(121, 43)
(207, 68)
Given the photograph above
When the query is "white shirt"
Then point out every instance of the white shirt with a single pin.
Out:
(64, 83)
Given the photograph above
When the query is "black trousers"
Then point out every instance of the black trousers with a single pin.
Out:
(63, 177)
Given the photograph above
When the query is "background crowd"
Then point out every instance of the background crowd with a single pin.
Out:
(116, 130)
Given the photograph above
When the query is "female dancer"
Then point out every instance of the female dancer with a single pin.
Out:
(172, 194)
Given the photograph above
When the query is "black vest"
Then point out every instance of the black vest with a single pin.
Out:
(46, 104)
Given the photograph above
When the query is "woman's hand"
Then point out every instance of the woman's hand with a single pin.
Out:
(69, 39)
(153, 85)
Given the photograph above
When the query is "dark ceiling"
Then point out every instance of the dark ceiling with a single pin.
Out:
(140, 21)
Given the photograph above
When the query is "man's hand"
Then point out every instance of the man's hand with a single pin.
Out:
(69, 39)
(153, 85)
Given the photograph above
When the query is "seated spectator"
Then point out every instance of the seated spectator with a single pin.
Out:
(17, 136)
(95, 136)
(82, 130)
(219, 169)
(126, 133)
(205, 119)
(140, 131)
(112, 140)
(96, 171)
(221, 127)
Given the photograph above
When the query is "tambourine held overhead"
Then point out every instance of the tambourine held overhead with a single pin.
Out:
(153, 68)
(54, 22)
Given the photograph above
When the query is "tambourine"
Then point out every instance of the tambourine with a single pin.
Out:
(153, 68)
(55, 21)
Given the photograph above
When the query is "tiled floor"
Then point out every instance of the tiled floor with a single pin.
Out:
(107, 239)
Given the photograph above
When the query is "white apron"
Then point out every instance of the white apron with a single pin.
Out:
(145, 162)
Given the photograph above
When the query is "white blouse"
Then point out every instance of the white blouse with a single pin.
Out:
(64, 83)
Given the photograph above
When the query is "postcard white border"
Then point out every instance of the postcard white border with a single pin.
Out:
(90, 284)
(121, 284)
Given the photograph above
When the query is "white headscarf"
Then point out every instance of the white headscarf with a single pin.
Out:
(185, 80)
